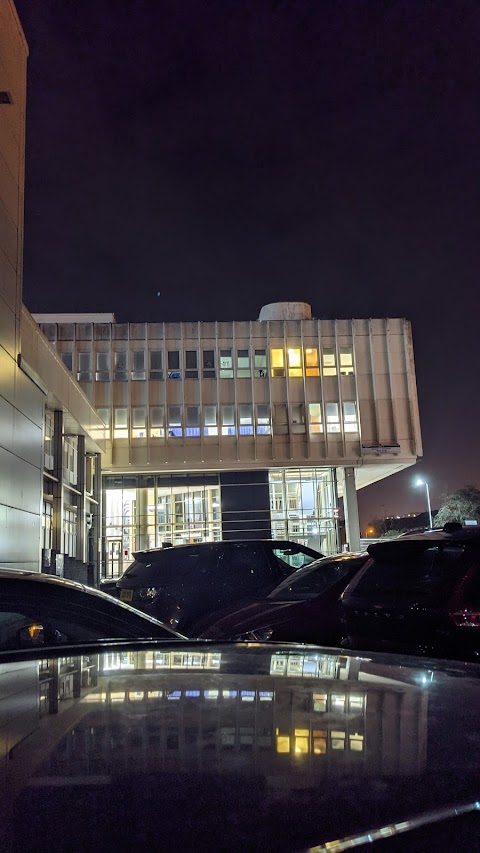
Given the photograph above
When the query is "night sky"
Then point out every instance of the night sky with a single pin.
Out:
(230, 153)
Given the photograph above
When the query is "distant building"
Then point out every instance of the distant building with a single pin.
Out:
(242, 429)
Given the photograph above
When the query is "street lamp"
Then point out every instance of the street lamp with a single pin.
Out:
(427, 491)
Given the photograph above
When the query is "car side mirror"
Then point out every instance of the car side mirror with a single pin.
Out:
(31, 636)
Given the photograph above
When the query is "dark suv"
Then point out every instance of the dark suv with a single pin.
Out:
(418, 594)
(188, 581)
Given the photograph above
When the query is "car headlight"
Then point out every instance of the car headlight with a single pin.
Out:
(258, 636)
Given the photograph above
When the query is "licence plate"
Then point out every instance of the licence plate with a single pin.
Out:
(126, 595)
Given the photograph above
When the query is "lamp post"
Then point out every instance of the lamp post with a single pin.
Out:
(427, 491)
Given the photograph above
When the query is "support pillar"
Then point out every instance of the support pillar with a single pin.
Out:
(58, 494)
(81, 554)
(350, 509)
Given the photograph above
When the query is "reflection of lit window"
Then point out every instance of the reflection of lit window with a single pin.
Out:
(338, 702)
(350, 423)
(246, 735)
(311, 362)
(117, 697)
(177, 660)
(319, 742)
(229, 694)
(356, 702)
(247, 695)
(278, 665)
(333, 419)
(346, 361)
(295, 665)
(301, 745)
(265, 696)
(192, 694)
(337, 740)
(329, 363)
(277, 362)
(228, 736)
(155, 694)
(135, 695)
(174, 694)
(283, 743)
(294, 361)
(315, 417)
(320, 702)
(210, 694)
(356, 743)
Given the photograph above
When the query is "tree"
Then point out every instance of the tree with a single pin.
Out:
(460, 505)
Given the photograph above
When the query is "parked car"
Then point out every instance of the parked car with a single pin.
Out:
(237, 747)
(419, 594)
(43, 610)
(303, 608)
(180, 584)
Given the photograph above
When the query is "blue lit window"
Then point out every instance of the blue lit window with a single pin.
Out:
(174, 694)
(248, 695)
(191, 694)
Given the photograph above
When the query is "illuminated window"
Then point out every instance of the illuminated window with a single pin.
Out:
(312, 367)
(265, 696)
(260, 363)
(294, 361)
(139, 422)
(346, 361)
(319, 742)
(174, 694)
(277, 362)
(157, 422)
(208, 364)
(320, 702)
(283, 743)
(174, 422)
(263, 420)
(229, 694)
(193, 422)
(138, 368)
(356, 743)
(338, 702)
(329, 363)
(191, 366)
(210, 413)
(243, 363)
(120, 423)
(226, 364)
(350, 422)
(228, 420)
(156, 365)
(247, 695)
(246, 419)
(210, 694)
(173, 363)
(192, 694)
(333, 419)
(337, 740)
(315, 418)
(302, 741)
(356, 702)
(135, 695)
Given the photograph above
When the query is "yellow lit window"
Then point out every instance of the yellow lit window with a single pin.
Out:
(283, 743)
(315, 418)
(301, 745)
(311, 362)
(346, 361)
(277, 361)
(356, 743)
(329, 362)
(301, 732)
(319, 743)
(294, 362)
(320, 702)
(338, 740)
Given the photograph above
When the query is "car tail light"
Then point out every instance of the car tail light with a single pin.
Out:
(466, 618)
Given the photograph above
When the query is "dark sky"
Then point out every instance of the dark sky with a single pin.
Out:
(230, 153)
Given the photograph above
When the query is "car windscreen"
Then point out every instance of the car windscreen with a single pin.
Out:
(170, 566)
(417, 570)
(315, 579)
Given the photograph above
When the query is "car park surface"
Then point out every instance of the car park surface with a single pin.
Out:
(43, 610)
(237, 747)
(418, 594)
(303, 608)
(181, 584)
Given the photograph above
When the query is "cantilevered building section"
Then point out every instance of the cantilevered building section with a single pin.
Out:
(244, 428)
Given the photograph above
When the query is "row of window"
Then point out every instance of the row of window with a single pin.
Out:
(246, 419)
(294, 361)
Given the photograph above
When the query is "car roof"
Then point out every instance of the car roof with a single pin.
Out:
(421, 541)
(222, 544)
(38, 577)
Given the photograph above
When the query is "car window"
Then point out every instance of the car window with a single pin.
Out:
(414, 571)
(312, 581)
(293, 556)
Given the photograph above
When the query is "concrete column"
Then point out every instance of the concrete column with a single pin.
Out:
(81, 501)
(96, 536)
(141, 520)
(58, 491)
(350, 508)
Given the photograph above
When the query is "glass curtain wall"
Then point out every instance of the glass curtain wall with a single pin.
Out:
(303, 507)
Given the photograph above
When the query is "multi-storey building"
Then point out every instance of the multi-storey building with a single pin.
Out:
(44, 414)
(243, 428)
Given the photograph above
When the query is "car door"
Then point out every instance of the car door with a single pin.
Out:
(243, 571)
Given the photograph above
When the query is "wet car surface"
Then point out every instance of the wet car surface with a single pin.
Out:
(237, 748)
